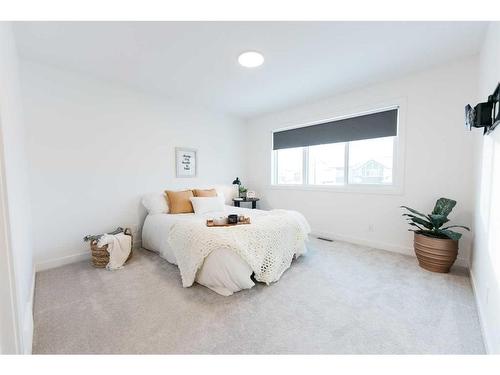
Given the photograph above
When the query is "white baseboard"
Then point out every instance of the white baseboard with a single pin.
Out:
(61, 261)
(380, 245)
(68, 259)
(480, 313)
(27, 334)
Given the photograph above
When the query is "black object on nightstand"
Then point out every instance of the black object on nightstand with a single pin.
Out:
(237, 201)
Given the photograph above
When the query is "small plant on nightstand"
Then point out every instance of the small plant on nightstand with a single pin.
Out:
(242, 191)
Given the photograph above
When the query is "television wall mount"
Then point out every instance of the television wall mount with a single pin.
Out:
(484, 115)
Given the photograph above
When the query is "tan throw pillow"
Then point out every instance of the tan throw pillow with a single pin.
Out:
(205, 193)
(178, 201)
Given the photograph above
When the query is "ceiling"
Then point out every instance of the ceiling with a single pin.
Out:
(196, 62)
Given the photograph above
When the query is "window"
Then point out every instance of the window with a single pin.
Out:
(353, 151)
(371, 160)
(326, 164)
(289, 166)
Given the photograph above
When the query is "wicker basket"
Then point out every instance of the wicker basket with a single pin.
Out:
(100, 255)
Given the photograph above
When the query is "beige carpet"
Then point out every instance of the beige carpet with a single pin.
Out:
(340, 298)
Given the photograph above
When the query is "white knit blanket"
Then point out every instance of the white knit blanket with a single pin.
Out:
(268, 244)
(119, 247)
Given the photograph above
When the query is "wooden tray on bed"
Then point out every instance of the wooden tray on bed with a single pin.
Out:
(210, 223)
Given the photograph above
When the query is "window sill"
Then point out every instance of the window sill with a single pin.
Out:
(354, 189)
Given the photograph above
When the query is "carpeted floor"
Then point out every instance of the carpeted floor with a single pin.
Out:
(340, 298)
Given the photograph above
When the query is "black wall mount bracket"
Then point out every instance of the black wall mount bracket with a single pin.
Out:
(484, 115)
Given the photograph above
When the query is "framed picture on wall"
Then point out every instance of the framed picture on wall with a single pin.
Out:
(185, 162)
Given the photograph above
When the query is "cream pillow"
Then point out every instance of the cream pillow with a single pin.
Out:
(178, 201)
(203, 205)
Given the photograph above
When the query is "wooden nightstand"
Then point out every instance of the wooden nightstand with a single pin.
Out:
(237, 202)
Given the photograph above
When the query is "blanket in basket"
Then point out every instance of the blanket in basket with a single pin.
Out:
(268, 245)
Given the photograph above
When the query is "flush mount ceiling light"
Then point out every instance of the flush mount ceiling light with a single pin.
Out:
(251, 59)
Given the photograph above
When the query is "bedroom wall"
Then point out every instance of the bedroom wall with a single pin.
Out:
(438, 159)
(95, 148)
(485, 270)
(15, 190)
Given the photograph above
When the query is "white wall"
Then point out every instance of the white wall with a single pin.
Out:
(486, 250)
(16, 184)
(94, 148)
(438, 159)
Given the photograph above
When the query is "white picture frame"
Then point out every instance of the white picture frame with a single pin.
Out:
(186, 162)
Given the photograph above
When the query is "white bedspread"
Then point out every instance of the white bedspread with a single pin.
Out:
(223, 271)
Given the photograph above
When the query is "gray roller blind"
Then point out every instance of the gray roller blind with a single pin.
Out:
(373, 125)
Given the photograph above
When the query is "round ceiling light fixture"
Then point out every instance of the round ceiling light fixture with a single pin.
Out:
(251, 59)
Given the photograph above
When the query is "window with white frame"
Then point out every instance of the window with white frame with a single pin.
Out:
(358, 150)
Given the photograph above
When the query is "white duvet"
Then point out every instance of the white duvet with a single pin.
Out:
(223, 270)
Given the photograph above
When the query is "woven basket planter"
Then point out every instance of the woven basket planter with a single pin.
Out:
(435, 254)
(100, 255)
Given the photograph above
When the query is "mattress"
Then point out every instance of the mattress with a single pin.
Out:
(223, 271)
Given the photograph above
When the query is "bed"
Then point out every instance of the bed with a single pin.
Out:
(223, 270)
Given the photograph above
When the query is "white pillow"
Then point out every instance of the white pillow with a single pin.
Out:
(203, 205)
(155, 203)
(220, 195)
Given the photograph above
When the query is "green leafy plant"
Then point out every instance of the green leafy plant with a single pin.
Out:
(432, 225)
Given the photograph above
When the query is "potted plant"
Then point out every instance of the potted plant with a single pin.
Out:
(436, 246)
(242, 191)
